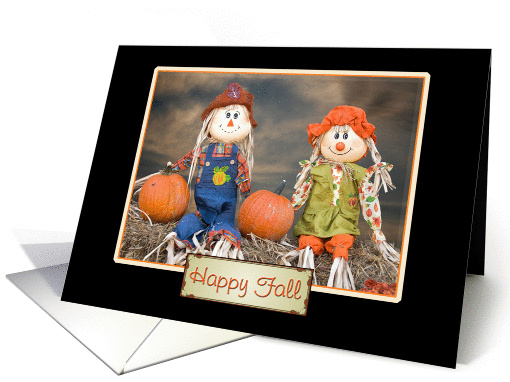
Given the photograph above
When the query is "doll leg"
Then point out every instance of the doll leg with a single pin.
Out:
(224, 223)
(182, 239)
(316, 243)
(340, 275)
(187, 227)
(309, 246)
(229, 245)
(339, 245)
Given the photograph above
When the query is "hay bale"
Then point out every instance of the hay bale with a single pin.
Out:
(140, 238)
(364, 260)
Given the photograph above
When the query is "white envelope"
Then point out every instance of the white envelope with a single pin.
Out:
(123, 341)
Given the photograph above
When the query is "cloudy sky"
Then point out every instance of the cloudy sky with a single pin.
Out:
(284, 105)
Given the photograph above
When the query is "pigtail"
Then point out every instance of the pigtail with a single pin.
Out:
(305, 172)
(202, 136)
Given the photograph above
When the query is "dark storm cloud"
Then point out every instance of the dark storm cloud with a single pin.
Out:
(284, 106)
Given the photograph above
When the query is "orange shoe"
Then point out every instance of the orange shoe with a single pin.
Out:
(339, 245)
(316, 243)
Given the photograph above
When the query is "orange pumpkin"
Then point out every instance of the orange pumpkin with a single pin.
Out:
(164, 197)
(266, 214)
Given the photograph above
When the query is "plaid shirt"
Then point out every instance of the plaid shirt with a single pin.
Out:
(220, 150)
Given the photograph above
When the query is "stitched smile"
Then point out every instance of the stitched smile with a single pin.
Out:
(338, 153)
(230, 132)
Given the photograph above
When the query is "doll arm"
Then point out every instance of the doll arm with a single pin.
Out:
(370, 206)
(301, 194)
(183, 163)
(243, 176)
(371, 209)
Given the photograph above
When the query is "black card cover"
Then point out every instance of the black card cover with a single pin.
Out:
(476, 261)
(441, 232)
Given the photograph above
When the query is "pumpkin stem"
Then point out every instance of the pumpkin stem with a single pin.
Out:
(168, 169)
(280, 188)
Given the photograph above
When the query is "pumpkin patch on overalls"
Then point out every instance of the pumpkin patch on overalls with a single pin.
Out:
(220, 177)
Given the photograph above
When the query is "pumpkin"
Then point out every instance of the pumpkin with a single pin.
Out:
(164, 197)
(266, 214)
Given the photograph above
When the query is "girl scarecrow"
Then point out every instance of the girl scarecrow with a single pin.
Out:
(224, 165)
(335, 188)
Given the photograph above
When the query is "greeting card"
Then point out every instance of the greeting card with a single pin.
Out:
(318, 195)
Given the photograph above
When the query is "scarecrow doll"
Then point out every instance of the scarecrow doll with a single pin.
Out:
(224, 166)
(336, 189)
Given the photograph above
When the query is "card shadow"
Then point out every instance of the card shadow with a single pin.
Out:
(47, 254)
(476, 318)
(54, 255)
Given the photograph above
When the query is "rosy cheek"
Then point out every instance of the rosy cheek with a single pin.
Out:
(356, 144)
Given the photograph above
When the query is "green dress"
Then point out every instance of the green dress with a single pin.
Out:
(321, 218)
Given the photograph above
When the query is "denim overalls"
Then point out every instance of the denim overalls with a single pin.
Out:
(215, 198)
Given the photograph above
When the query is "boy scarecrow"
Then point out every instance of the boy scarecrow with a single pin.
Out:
(224, 166)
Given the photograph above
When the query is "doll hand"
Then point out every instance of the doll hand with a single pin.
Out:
(378, 236)
(386, 250)
(379, 166)
(381, 176)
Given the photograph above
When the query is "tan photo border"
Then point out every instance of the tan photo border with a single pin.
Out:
(412, 186)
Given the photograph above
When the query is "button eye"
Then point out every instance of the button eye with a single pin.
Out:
(236, 115)
(337, 135)
(228, 114)
(345, 136)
